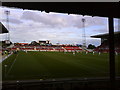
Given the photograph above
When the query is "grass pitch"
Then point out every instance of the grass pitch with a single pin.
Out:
(49, 65)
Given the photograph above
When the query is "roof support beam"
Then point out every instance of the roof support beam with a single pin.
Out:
(111, 52)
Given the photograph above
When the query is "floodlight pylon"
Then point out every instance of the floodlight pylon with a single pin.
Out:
(7, 22)
(84, 34)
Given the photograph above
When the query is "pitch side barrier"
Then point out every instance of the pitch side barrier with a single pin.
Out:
(61, 84)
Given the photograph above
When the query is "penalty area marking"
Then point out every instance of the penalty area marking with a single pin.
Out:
(12, 65)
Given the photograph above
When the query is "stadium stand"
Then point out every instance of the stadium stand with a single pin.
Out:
(72, 48)
(58, 48)
(46, 48)
(104, 47)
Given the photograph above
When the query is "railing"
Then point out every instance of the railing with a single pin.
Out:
(62, 84)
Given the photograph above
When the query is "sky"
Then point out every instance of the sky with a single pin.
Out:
(33, 25)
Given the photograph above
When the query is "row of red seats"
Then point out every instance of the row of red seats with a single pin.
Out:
(104, 47)
(45, 48)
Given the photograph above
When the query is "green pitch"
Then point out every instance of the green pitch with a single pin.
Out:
(49, 65)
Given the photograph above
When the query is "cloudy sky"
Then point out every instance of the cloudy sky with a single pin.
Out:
(32, 25)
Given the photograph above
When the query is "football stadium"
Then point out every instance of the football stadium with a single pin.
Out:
(43, 65)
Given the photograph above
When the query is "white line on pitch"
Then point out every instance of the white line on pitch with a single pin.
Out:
(12, 65)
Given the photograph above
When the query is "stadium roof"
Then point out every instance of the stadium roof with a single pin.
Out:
(103, 9)
(3, 29)
(105, 35)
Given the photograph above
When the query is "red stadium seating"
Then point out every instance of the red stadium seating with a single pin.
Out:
(104, 47)
(48, 48)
